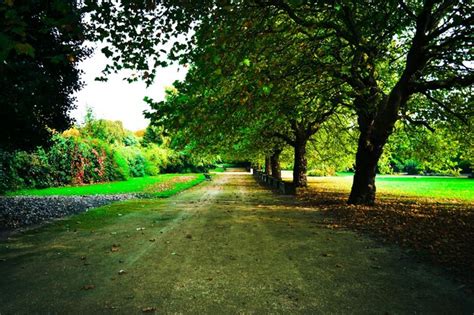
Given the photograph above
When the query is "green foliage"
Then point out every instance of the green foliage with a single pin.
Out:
(41, 43)
(122, 168)
(32, 170)
(106, 130)
(323, 170)
(412, 167)
(157, 159)
(7, 179)
(135, 160)
(418, 150)
(305, 61)
(153, 135)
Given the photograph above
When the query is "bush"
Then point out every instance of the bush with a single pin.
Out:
(156, 159)
(413, 167)
(135, 159)
(7, 178)
(121, 166)
(60, 158)
(31, 170)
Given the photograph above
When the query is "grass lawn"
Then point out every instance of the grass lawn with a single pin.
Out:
(163, 185)
(413, 186)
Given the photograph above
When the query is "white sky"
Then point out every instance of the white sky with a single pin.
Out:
(117, 99)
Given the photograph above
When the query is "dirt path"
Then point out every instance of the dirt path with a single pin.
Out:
(227, 246)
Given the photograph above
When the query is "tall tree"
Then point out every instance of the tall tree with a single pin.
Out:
(377, 53)
(40, 46)
(431, 37)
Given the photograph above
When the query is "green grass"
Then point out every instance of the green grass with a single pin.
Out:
(218, 169)
(430, 187)
(133, 185)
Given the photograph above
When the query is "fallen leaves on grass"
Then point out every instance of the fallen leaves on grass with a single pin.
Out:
(159, 187)
(441, 232)
(148, 309)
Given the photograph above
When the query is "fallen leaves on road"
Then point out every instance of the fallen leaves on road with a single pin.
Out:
(148, 309)
(88, 287)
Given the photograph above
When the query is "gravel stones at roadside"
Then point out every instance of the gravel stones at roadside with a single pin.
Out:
(22, 211)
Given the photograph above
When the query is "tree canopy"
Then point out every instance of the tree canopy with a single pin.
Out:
(41, 43)
(285, 67)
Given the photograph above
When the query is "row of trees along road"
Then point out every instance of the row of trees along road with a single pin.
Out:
(277, 70)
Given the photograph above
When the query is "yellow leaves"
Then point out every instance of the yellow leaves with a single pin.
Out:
(71, 133)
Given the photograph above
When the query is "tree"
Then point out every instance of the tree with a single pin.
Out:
(380, 55)
(431, 36)
(40, 46)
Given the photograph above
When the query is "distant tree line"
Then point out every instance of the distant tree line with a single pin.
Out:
(98, 151)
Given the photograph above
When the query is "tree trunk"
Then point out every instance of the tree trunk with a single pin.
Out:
(300, 164)
(275, 162)
(374, 133)
(268, 167)
(367, 157)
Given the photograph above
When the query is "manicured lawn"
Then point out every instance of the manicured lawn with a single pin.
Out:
(430, 187)
(159, 186)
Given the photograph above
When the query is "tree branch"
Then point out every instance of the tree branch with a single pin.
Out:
(421, 87)
(284, 138)
(446, 108)
(419, 123)
(406, 9)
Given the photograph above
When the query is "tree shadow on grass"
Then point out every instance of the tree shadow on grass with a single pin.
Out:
(438, 231)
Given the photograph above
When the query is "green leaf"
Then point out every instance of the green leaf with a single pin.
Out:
(266, 90)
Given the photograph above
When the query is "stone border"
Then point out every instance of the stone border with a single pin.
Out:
(282, 187)
(21, 211)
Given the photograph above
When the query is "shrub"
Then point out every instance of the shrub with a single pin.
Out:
(413, 167)
(31, 170)
(60, 158)
(157, 158)
(135, 159)
(122, 170)
(7, 178)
